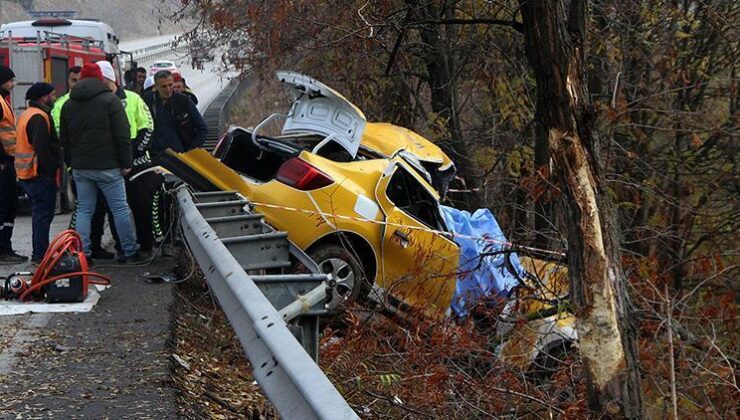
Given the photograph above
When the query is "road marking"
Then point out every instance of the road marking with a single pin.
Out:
(26, 334)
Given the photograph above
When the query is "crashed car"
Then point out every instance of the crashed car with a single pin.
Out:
(364, 207)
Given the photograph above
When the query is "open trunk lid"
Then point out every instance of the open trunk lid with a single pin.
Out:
(320, 109)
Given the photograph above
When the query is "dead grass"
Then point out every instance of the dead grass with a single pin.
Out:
(210, 372)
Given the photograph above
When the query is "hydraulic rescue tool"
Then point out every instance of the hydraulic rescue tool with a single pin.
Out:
(62, 276)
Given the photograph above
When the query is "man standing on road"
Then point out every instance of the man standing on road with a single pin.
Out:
(97, 225)
(8, 184)
(38, 156)
(94, 132)
(178, 125)
(141, 189)
(181, 86)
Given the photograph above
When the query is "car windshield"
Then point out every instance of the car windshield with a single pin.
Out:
(162, 64)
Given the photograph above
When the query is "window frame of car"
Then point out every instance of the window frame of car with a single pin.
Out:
(411, 174)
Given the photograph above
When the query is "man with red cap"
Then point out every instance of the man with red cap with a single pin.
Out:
(94, 132)
(38, 157)
(8, 184)
(181, 86)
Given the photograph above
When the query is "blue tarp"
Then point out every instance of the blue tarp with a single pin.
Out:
(492, 279)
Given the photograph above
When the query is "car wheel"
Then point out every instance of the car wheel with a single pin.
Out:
(348, 273)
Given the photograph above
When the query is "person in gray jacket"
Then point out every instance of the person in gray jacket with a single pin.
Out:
(94, 133)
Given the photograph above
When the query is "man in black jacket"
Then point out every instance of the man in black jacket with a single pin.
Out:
(38, 157)
(94, 132)
(8, 184)
(178, 124)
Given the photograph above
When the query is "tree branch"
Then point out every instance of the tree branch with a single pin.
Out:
(517, 26)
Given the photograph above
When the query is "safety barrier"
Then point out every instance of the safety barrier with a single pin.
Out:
(227, 242)
(161, 50)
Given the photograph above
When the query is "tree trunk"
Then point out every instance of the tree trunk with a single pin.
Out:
(554, 41)
(440, 59)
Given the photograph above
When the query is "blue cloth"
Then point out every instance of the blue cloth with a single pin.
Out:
(42, 192)
(110, 183)
(480, 277)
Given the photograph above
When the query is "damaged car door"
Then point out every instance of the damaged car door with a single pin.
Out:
(419, 260)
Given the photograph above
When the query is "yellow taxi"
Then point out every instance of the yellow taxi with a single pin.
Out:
(358, 197)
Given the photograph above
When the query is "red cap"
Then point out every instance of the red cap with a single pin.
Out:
(91, 70)
(176, 76)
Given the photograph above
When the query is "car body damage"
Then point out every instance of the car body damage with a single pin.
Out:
(328, 120)
(373, 219)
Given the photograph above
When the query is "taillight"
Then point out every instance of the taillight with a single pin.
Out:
(299, 174)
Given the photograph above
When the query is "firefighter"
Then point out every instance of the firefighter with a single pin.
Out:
(141, 190)
(38, 157)
(97, 225)
(8, 184)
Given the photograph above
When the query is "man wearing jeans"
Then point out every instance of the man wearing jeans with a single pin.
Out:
(94, 132)
(38, 157)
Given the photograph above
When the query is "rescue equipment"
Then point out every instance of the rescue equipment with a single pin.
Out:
(62, 276)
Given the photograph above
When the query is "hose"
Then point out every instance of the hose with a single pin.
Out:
(66, 242)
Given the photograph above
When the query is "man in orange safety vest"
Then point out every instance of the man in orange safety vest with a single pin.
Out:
(8, 184)
(38, 157)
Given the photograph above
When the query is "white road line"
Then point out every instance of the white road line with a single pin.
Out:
(26, 334)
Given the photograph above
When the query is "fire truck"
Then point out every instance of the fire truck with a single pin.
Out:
(43, 50)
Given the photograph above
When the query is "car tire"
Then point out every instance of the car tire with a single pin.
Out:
(346, 270)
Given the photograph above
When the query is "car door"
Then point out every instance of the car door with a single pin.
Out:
(419, 261)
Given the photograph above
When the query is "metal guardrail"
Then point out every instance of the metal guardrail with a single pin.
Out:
(292, 381)
(154, 52)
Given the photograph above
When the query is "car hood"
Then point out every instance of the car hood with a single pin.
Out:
(388, 139)
(320, 109)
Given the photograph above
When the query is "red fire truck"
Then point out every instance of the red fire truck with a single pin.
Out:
(44, 49)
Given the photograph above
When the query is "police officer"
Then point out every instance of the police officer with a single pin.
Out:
(38, 157)
(8, 184)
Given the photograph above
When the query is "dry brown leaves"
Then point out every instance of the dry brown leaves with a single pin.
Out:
(209, 369)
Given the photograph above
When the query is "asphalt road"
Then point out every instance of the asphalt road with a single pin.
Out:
(110, 362)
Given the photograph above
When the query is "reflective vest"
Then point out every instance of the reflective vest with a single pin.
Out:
(7, 128)
(56, 111)
(137, 112)
(26, 162)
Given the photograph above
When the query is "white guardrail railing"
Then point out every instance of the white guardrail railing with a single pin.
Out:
(289, 377)
(155, 49)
